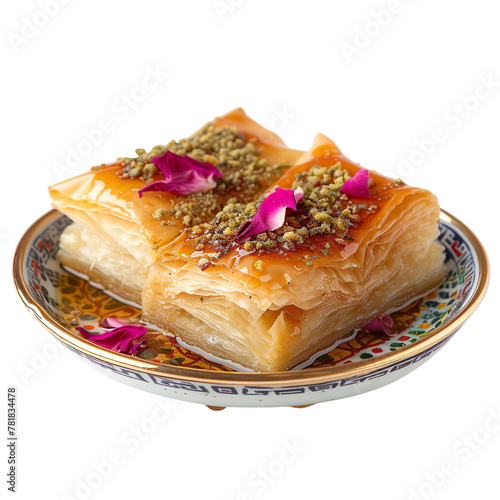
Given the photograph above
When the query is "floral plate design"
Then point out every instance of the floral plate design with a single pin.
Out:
(62, 302)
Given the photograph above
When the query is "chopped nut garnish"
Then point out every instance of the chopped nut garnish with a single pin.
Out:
(324, 251)
(213, 218)
(289, 235)
(259, 265)
(224, 147)
(160, 213)
(309, 259)
(244, 172)
(322, 211)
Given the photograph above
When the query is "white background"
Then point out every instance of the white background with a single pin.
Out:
(299, 68)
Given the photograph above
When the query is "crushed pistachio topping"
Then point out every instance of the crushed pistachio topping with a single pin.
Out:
(259, 265)
(323, 210)
(244, 172)
(191, 211)
(309, 259)
(224, 147)
(325, 250)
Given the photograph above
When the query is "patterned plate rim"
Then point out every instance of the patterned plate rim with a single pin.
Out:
(276, 379)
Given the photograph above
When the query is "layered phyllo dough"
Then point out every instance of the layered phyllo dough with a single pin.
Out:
(116, 234)
(287, 253)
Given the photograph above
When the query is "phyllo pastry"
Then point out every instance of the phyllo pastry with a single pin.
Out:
(325, 249)
(248, 250)
(121, 220)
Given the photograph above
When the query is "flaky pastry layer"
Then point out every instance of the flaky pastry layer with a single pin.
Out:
(266, 310)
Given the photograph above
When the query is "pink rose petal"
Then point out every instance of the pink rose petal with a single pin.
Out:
(357, 185)
(112, 322)
(118, 339)
(183, 175)
(381, 324)
(271, 213)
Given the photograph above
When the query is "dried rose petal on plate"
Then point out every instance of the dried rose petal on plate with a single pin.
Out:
(119, 339)
(381, 324)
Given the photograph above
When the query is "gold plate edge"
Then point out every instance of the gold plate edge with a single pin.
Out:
(275, 379)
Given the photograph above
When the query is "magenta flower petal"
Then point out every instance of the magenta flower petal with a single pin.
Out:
(183, 175)
(357, 185)
(271, 213)
(137, 348)
(118, 339)
(113, 322)
(156, 186)
(381, 324)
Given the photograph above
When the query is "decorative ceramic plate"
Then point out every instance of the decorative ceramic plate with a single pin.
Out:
(363, 362)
